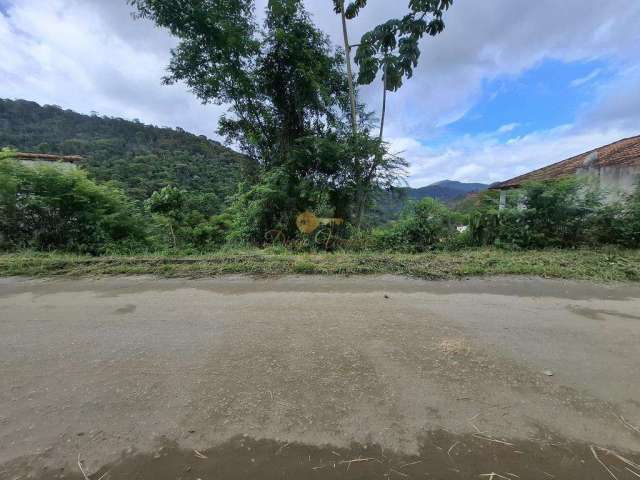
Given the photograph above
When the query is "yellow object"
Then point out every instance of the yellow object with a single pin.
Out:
(331, 221)
(307, 222)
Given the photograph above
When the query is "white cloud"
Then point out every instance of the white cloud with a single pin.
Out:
(578, 82)
(617, 103)
(90, 55)
(76, 55)
(482, 159)
(484, 40)
(509, 127)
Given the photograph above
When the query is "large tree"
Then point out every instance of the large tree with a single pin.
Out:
(287, 93)
(281, 81)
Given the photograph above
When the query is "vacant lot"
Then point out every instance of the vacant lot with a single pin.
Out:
(319, 377)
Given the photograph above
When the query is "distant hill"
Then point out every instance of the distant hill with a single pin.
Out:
(141, 158)
(445, 191)
(389, 205)
(144, 158)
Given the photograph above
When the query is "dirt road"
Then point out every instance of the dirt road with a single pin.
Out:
(318, 377)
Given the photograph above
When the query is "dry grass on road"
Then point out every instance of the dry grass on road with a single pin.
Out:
(600, 265)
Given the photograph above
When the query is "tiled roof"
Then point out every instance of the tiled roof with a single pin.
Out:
(624, 153)
(47, 157)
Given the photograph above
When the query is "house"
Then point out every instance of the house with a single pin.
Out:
(65, 161)
(614, 169)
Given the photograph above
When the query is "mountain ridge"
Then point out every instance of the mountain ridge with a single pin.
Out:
(143, 158)
(446, 190)
(140, 158)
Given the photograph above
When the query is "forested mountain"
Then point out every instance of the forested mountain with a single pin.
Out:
(141, 158)
(389, 205)
(446, 191)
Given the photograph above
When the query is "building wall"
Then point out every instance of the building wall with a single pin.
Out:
(61, 165)
(616, 182)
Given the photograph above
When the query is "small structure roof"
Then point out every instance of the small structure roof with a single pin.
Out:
(47, 157)
(623, 153)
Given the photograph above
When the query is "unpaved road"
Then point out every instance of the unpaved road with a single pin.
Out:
(318, 377)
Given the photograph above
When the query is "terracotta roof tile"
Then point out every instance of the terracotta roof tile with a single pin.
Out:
(623, 153)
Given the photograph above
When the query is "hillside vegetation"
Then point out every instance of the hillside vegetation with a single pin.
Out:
(389, 205)
(140, 158)
(293, 110)
(143, 158)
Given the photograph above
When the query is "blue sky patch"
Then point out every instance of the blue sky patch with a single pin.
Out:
(549, 95)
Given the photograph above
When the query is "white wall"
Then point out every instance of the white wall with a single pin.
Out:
(61, 165)
(615, 181)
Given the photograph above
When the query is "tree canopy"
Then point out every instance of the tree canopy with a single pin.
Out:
(282, 81)
(286, 89)
(393, 48)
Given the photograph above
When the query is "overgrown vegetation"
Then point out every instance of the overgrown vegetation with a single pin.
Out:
(561, 214)
(140, 159)
(48, 207)
(424, 226)
(308, 145)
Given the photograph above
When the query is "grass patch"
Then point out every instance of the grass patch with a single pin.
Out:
(600, 265)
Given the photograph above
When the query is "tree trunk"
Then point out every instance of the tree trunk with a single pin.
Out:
(384, 100)
(364, 194)
(173, 235)
(362, 202)
(347, 51)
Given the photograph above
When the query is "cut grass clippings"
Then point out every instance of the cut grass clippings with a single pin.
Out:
(600, 265)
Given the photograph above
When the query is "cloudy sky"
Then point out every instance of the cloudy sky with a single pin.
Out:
(510, 86)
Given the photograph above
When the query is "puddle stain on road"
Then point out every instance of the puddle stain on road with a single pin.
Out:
(442, 456)
(601, 314)
(129, 308)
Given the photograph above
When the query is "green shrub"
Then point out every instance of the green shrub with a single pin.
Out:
(558, 214)
(259, 209)
(6, 153)
(507, 228)
(357, 239)
(50, 208)
(180, 223)
(628, 230)
(209, 233)
(424, 226)
(561, 214)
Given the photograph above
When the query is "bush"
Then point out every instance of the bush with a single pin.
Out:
(424, 226)
(51, 208)
(180, 223)
(506, 228)
(560, 214)
(628, 230)
(269, 205)
(208, 233)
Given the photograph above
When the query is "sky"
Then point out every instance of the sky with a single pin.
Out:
(510, 86)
